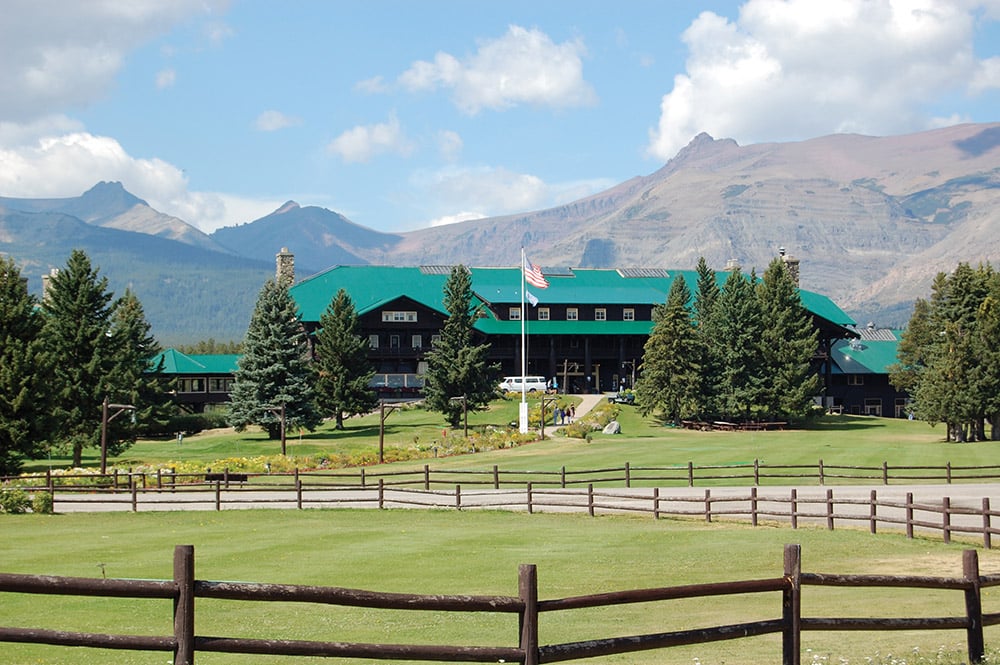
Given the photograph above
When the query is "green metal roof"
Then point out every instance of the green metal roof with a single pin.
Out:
(863, 356)
(373, 286)
(175, 362)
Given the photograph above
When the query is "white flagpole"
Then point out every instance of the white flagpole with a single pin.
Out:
(523, 409)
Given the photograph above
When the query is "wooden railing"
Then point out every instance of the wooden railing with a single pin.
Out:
(524, 646)
(627, 475)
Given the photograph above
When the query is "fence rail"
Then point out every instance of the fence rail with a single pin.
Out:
(627, 475)
(524, 646)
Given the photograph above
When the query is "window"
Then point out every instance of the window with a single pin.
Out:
(372, 341)
(191, 385)
(873, 406)
(600, 314)
(628, 314)
(855, 379)
(514, 314)
(399, 317)
(572, 314)
(543, 313)
(416, 341)
(393, 341)
(220, 385)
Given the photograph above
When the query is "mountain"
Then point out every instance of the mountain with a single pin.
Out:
(872, 220)
(109, 205)
(321, 238)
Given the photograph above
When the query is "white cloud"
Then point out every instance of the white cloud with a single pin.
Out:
(792, 69)
(522, 67)
(57, 54)
(363, 142)
(456, 218)
(166, 78)
(271, 121)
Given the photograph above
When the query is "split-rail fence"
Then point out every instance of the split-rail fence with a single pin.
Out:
(525, 642)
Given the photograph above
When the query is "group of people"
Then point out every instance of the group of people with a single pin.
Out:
(561, 416)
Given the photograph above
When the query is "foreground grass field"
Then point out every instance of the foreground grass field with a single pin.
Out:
(467, 553)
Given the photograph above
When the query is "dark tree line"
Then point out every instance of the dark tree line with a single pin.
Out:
(62, 357)
(949, 355)
(741, 351)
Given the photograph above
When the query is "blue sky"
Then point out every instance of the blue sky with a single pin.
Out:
(401, 115)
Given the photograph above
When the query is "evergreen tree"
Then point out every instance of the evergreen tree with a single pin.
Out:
(274, 371)
(24, 382)
(740, 378)
(77, 332)
(706, 299)
(670, 363)
(789, 340)
(456, 366)
(138, 382)
(343, 371)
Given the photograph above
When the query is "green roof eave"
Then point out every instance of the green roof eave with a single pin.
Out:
(175, 362)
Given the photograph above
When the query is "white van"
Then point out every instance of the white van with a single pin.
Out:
(512, 384)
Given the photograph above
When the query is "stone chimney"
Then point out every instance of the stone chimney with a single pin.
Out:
(791, 265)
(47, 283)
(732, 265)
(285, 267)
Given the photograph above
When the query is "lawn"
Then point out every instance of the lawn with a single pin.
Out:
(466, 553)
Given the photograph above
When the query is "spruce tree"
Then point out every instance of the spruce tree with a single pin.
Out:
(670, 368)
(24, 381)
(274, 370)
(706, 299)
(789, 340)
(456, 365)
(137, 381)
(78, 311)
(343, 372)
(735, 352)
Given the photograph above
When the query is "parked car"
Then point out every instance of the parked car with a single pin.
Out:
(513, 384)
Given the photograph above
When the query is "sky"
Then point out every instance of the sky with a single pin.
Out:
(401, 114)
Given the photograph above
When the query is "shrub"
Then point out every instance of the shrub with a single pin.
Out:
(41, 503)
(192, 423)
(14, 500)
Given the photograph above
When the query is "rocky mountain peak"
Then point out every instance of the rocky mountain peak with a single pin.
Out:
(288, 206)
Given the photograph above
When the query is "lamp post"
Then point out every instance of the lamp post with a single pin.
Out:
(107, 417)
(545, 402)
(383, 414)
(280, 412)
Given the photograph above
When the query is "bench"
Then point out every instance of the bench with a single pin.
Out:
(226, 477)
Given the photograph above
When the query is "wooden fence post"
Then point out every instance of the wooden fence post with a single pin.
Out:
(822, 479)
(795, 508)
(496, 476)
(829, 510)
(872, 509)
(791, 607)
(530, 509)
(987, 537)
(590, 499)
(364, 478)
(656, 503)
(947, 472)
(756, 471)
(458, 497)
(946, 519)
(528, 590)
(218, 495)
(298, 493)
(708, 505)
(135, 497)
(973, 607)
(909, 515)
(427, 477)
(753, 506)
(381, 493)
(885, 473)
(690, 474)
(628, 475)
(184, 605)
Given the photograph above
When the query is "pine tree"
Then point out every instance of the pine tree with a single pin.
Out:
(137, 381)
(789, 340)
(342, 367)
(706, 300)
(274, 370)
(78, 313)
(24, 382)
(735, 353)
(456, 366)
(670, 363)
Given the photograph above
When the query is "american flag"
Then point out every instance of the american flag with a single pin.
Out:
(533, 275)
